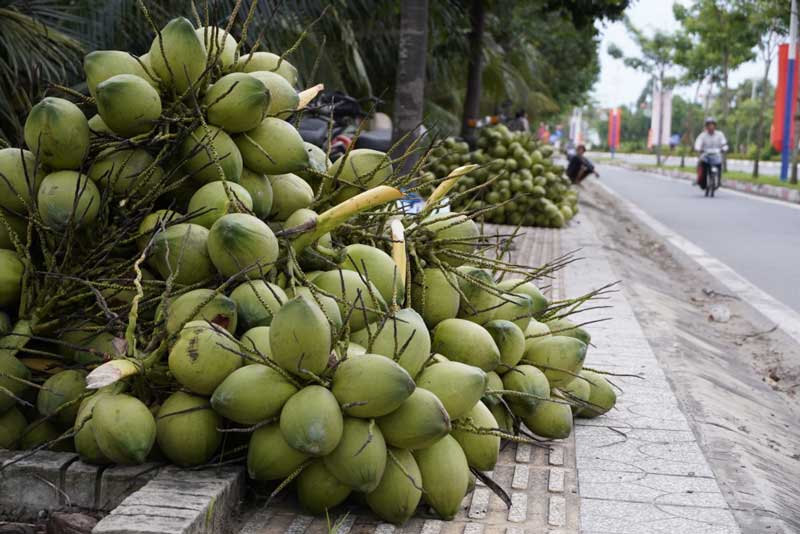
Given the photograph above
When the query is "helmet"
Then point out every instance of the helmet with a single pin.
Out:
(710, 120)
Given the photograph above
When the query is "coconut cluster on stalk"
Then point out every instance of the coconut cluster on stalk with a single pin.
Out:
(517, 182)
(183, 279)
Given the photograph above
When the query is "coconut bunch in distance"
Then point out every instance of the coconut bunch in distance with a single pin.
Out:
(183, 279)
(517, 182)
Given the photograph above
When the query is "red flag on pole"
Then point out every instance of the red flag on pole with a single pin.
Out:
(776, 133)
(614, 127)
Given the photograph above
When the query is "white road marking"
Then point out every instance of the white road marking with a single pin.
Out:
(786, 318)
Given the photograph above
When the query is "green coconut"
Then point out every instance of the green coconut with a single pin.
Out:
(252, 394)
(435, 296)
(273, 147)
(178, 55)
(219, 44)
(151, 223)
(85, 441)
(12, 425)
(283, 98)
(529, 380)
(540, 302)
(269, 456)
(328, 305)
(237, 102)
(59, 396)
(398, 494)
(478, 302)
(212, 201)
(13, 228)
(418, 423)
(464, 341)
(578, 390)
(300, 337)
(359, 170)
(534, 333)
(241, 244)
(19, 179)
(126, 171)
(289, 194)
(128, 104)
(515, 307)
(180, 252)
(359, 460)
(260, 189)
(11, 371)
(504, 418)
(257, 302)
(493, 383)
(101, 65)
(445, 476)
(370, 385)
(256, 340)
(186, 429)
(457, 385)
(57, 132)
(471, 432)
(403, 338)
(552, 420)
(267, 61)
(318, 164)
(5, 324)
(352, 293)
(318, 490)
(311, 421)
(378, 267)
(201, 305)
(210, 154)
(510, 341)
(560, 357)
(41, 432)
(124, 428)
(11, 272)
(565, 327)
(602, 396)
(88, 344)
(57, 200)
(97, 127)
(453, 232)
(203, 356)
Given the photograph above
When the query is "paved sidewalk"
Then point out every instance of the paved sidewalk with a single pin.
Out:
(640, 468)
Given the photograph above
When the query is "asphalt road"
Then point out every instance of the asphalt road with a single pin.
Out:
(758, 239)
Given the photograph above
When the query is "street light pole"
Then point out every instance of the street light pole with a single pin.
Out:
(788, 120)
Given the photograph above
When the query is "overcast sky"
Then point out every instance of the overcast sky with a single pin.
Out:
(619, 85)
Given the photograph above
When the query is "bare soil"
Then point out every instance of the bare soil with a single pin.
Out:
(738, 381)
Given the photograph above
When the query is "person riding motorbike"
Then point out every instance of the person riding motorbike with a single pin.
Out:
(710, 144)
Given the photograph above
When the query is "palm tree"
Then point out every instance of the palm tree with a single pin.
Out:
(37, 47)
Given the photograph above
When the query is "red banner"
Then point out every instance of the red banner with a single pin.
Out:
(614, 127)
(776, 133)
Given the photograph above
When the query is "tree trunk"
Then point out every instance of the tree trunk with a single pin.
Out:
(410, 85)
(472, 100)
(762, 110)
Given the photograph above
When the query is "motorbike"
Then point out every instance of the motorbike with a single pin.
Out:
(712, 158)
(332, 120)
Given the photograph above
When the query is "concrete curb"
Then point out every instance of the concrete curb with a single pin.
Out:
(762, 190)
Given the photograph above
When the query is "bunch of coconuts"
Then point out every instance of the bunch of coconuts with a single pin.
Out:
(166, 282)
(517, 182)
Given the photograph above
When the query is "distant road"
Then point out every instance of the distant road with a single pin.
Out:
(767, 168)
(756, 237)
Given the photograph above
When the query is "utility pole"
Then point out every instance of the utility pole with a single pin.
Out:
(787, 150)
